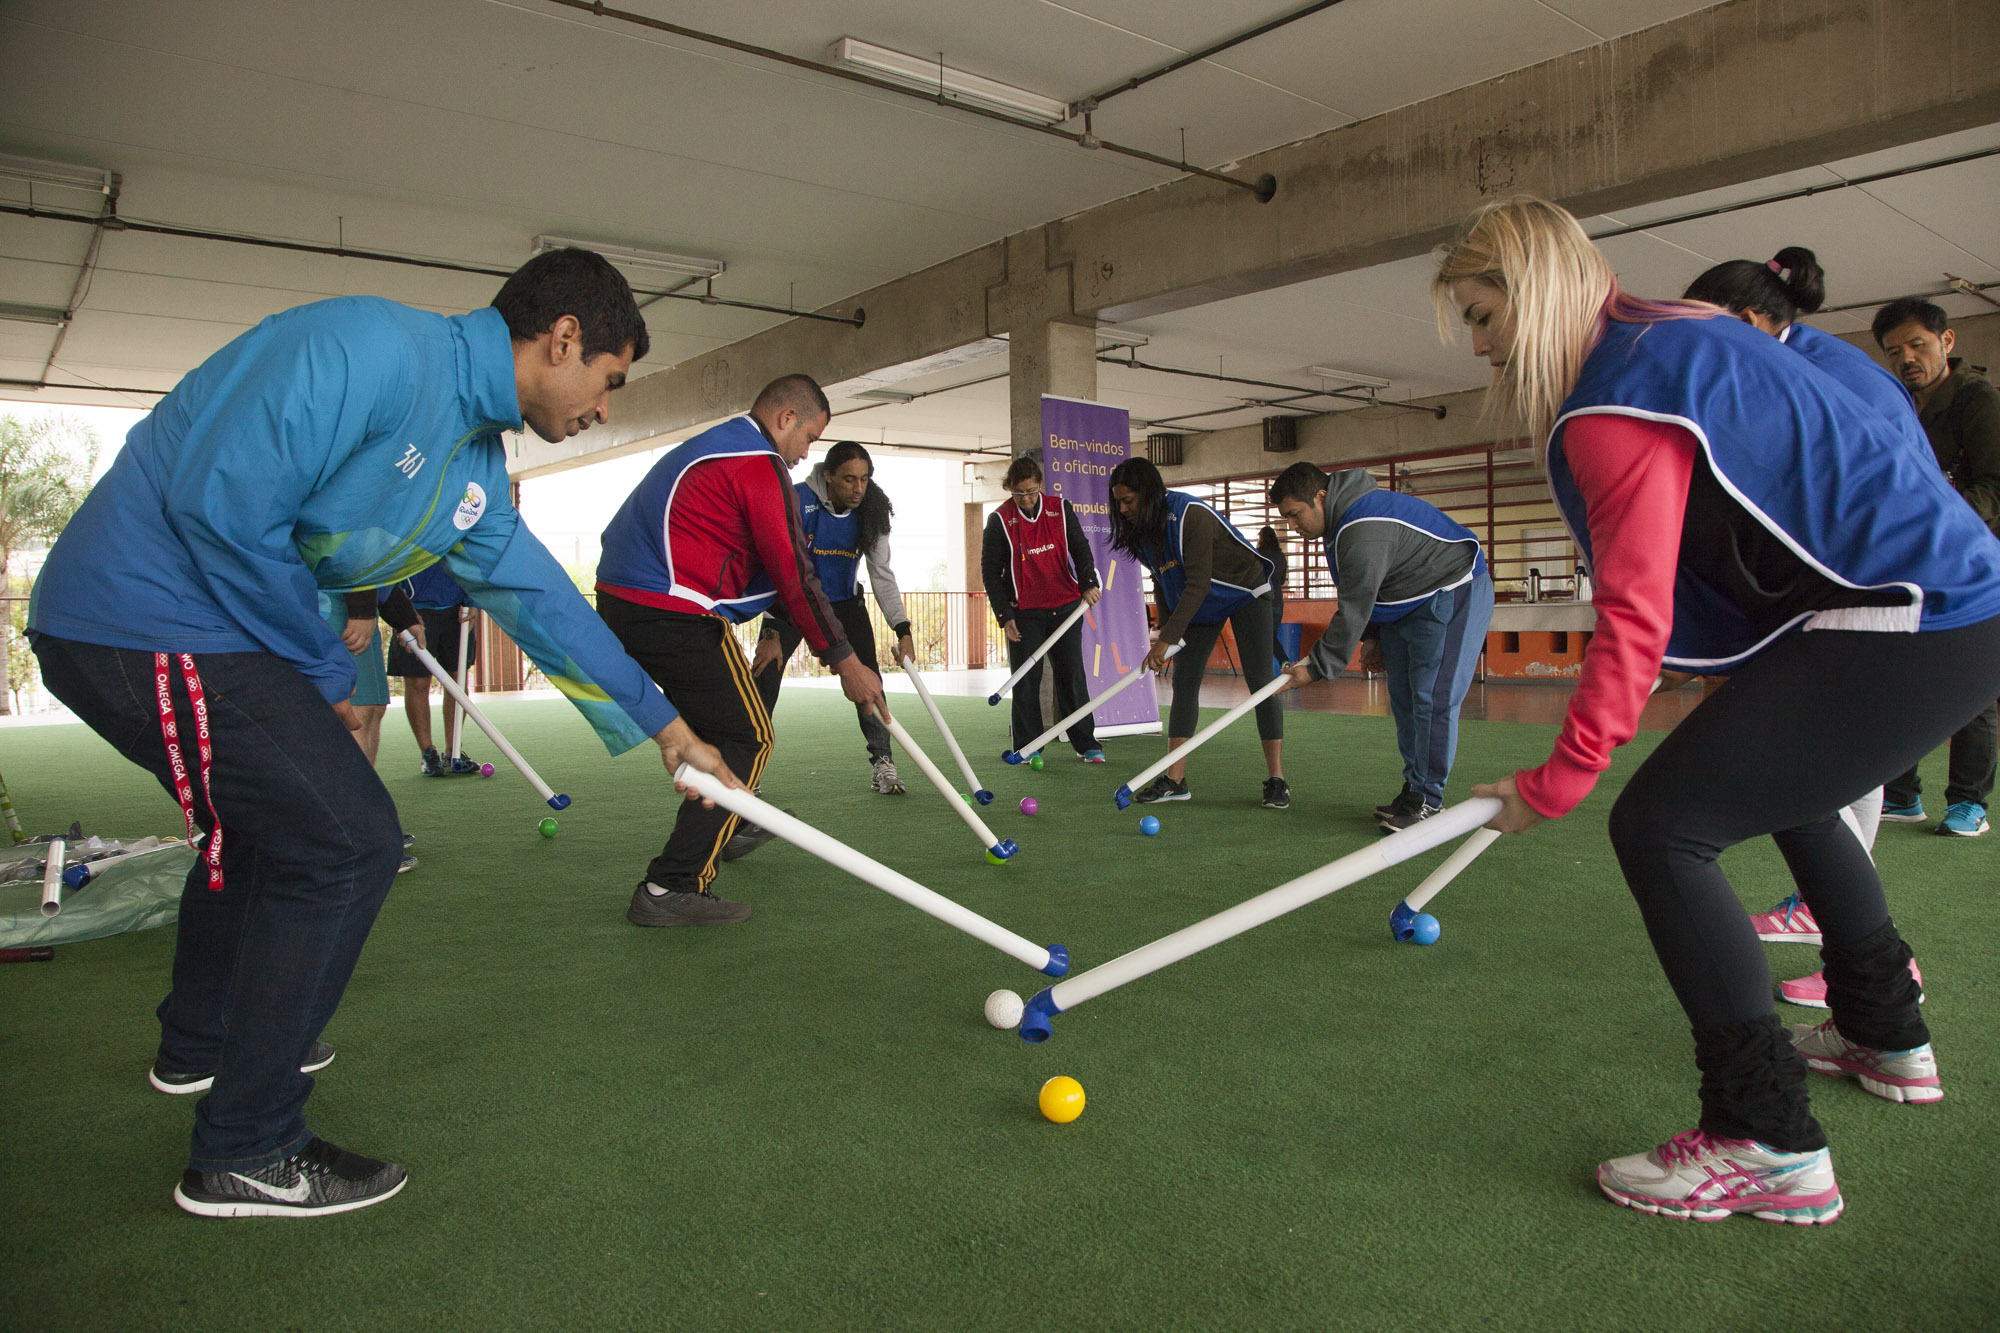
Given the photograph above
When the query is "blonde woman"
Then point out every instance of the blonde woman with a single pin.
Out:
(1743, 514)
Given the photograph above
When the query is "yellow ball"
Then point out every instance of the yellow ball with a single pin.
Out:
(1062, 1099)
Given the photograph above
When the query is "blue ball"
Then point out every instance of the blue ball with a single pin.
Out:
(1149, 826)
(1425, 929)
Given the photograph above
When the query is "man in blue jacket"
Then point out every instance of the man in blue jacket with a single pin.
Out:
(339, 446)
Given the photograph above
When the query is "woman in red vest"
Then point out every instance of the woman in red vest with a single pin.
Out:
(1036, 563)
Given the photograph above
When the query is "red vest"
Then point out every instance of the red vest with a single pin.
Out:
(1039, 562)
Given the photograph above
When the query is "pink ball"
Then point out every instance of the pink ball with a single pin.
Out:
(486, 770)
(1028, 805)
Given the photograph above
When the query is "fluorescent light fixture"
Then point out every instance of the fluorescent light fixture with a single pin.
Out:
(886, 396)
(36, 171)
(933, 76)
(632, 256)
(33, 314)
(1348, 377)
(1119, 338)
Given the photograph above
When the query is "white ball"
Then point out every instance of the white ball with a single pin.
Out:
(1003, 1009)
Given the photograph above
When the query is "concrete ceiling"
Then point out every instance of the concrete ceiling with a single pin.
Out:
(459, 129)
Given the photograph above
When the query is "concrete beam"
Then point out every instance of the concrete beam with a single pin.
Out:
(1687, 106)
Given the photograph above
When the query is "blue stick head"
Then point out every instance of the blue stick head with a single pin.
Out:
(1011, 756)
(1005, 849)
(983, 796)
(1402, 924)
(1058, 965)
(993, 699)
(1123, 796)
(559, 802)
(1036, 1015)
(79, 875)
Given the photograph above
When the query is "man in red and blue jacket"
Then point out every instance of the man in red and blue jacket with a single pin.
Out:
(711, 538)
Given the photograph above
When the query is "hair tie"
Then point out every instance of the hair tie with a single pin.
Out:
(1775, 267)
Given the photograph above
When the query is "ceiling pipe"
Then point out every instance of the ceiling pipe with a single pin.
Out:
(114, 223)
(1096, 100)
(1345, 395)
(1264, 187)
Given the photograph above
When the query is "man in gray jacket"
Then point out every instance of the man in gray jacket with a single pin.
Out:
(1400, 565)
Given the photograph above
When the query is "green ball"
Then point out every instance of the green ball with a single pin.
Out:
(963, 797)
(993, 860)
(1036, 763)
(548, 828)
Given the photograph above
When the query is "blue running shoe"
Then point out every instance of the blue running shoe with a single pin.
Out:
(1965, 819)
(1909, 813)
(1092, 756)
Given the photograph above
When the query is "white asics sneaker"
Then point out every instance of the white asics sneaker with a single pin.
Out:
(1896, 1076)
(1706, 1179)
(887, 783)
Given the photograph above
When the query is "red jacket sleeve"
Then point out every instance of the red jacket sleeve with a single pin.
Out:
(1634, 477)
(778, 535)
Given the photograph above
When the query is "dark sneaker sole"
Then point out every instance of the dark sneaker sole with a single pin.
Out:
(1162, 800)
(656, 918)
(211, 1206)
(205, 1081)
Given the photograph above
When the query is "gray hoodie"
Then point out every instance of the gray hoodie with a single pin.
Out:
(1377, 562)
(881, 578)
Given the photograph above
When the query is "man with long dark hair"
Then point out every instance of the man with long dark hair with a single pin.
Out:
(846, 517)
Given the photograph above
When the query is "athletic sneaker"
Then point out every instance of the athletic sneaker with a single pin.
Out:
(886, 781)
(318, 1056)
(1409, 808)
(409, 841)
(1706, 1179)
(1896, 1076)
(462, 766)
(318, 1180)
(1790, 921)
(1811, 991)
(407, 864)
(672, 908)
(433, 764)
(1965, 819)
(1163, 788)
(1277, 794)
(747, 839)
(1384, 811)
(1092, 756)
(1908, 812)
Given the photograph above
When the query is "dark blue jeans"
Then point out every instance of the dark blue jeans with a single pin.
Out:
(1429, 656)
(310, 846)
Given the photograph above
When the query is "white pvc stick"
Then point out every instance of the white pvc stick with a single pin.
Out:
(1267, 906)
(1000, 849)
(1199, 739)
(548, 793)
(458, 719)
(1038, 654)
(1468, 851)
(52, 880)
(1022, 755)
(1052, 961)
(980, 793)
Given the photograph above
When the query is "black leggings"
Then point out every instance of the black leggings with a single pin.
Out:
(1813, 724)
(1252, 623)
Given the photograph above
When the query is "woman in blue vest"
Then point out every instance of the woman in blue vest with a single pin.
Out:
(1205, 574)
(1742, 514)
(846, 518)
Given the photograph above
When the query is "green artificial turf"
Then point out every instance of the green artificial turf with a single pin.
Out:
(804, 1120)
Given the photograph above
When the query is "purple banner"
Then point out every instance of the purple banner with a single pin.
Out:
(1081, 443)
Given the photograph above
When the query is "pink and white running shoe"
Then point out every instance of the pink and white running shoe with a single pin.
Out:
(1896, 1076)
(1811, 991)
(1706, 1179)
(1791, 921)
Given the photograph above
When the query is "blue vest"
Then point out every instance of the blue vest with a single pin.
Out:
(434, 589)
(1856, 372)
(835, 542)
(1170, 575)
(635, 541)
(1394, 507)
(1854, 497)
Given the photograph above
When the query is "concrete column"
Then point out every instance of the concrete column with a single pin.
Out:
(1048, 356)
(976, 612)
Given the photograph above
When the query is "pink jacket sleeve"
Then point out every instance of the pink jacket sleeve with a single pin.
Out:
(1634, 477)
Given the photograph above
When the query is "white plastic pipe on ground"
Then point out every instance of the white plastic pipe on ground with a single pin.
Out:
(983, 796)
(1051, 961)
(1267, 906)
(458, 718)
(1467, 853)
(1124, 794)
(52, 880)
(951, 797)
(431, 664)
(1022, 755)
